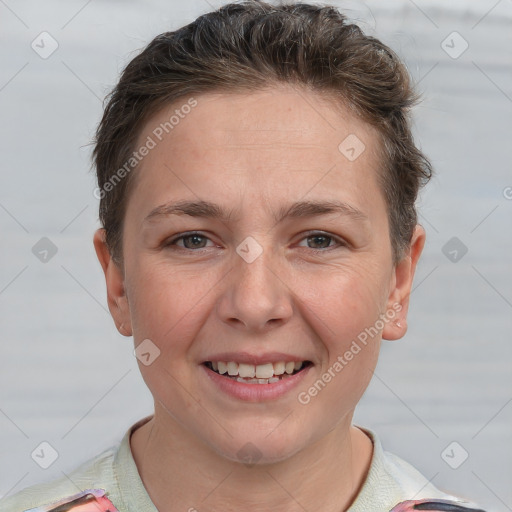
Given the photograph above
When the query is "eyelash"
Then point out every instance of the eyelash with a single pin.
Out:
(311, 234)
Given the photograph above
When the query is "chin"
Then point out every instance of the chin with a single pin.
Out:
(259, 449)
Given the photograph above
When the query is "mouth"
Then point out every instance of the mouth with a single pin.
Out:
(268, 373)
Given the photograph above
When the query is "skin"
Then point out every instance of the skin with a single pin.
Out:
(255, 153)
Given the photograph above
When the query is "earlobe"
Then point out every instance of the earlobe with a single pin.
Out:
(114, 280)
(402, 285)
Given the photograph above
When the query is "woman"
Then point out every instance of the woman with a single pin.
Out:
(257, 177)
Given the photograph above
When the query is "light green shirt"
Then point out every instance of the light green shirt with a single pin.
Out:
(390, 481)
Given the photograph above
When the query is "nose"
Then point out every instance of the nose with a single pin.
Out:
(256, 296)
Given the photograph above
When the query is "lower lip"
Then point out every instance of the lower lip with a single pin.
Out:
(256, 392)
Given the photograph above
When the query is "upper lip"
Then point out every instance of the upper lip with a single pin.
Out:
(255, 359)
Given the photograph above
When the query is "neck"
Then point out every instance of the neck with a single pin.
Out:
(181, 473)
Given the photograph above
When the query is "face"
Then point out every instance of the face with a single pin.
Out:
(278, 252)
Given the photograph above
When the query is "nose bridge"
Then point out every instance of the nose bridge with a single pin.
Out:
(255, 294)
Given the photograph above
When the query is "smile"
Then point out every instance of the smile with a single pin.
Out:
(267, 373)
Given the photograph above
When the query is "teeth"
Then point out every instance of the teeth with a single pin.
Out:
(256, 372)
(258, 381)
(232, 368)
(279, 368)
(264, 371)
(246, 370)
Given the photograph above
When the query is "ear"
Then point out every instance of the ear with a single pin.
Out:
(116, 297)
(400, 291)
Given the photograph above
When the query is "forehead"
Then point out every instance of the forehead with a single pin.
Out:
(282, 140)
(279, 114)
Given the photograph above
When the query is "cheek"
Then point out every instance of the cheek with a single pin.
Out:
(343, 302)
(343, 310)
(165, 302)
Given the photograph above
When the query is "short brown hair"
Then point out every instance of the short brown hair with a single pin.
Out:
(249, 46)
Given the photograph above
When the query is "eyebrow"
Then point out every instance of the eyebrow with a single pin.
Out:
(301, 209)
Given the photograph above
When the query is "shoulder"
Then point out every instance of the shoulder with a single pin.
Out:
(102, 480)
(406, 477)
(397, 486)
(96, 475)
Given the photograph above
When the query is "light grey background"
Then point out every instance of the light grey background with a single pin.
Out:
(67, 377)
